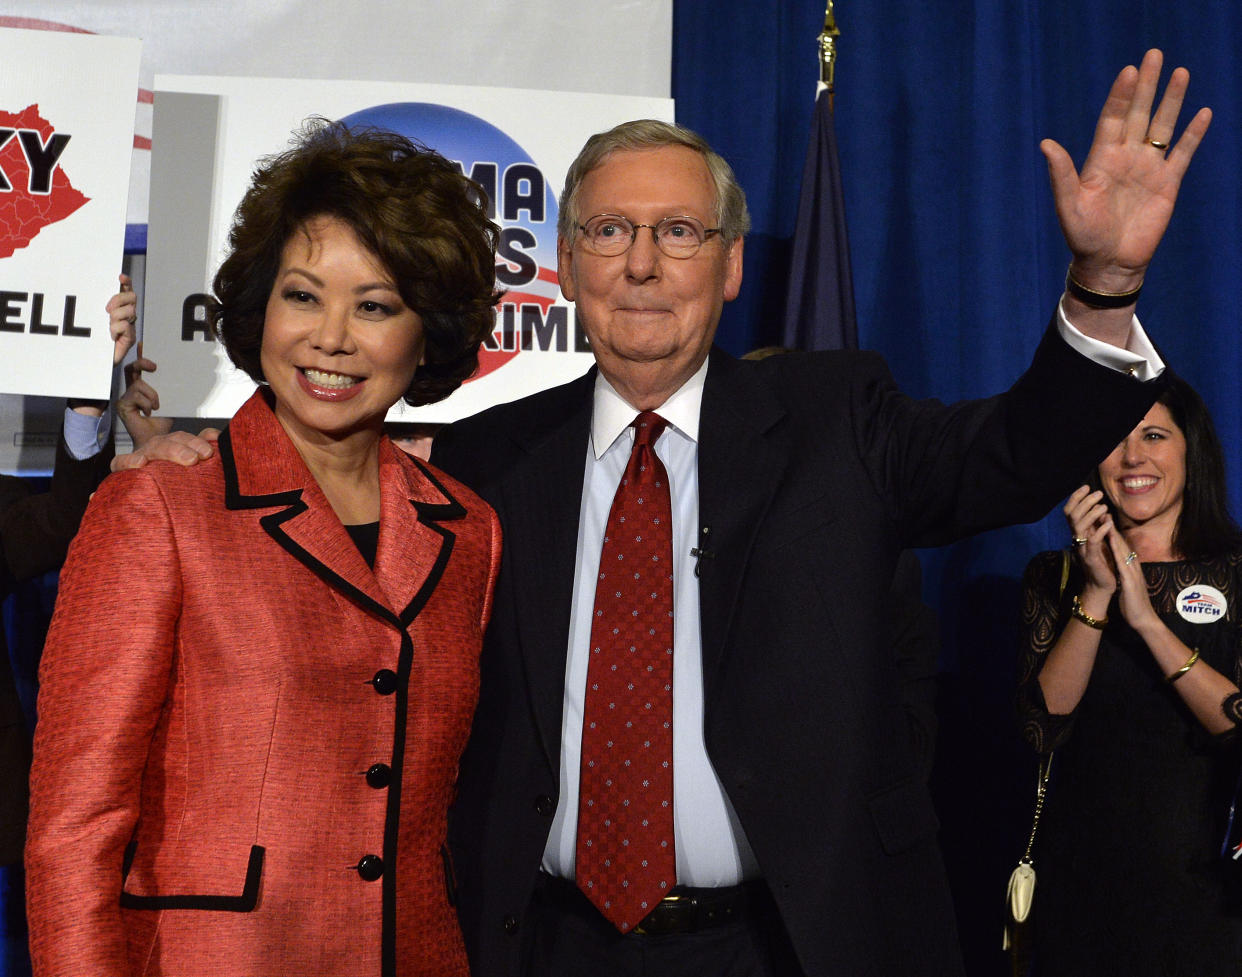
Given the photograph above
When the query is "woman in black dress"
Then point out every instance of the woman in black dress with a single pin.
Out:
(1131, 672)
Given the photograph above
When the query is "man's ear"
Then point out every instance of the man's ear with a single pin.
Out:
(733, 271)
(565, 268)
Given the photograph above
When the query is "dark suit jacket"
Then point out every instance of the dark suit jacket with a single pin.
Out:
(35, 532)
(912, 636)
(814, 472)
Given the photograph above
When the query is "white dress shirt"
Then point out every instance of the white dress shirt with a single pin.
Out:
(710, 844)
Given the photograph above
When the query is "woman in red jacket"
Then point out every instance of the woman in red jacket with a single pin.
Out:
(262, 669)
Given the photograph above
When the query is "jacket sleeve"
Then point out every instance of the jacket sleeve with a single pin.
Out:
(36, 529)
(951, 471)
(104, 683)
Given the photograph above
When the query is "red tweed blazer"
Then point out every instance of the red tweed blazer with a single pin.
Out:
(247, 738)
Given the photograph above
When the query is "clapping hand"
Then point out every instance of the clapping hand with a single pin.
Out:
(1132, 597)
(1090, 523)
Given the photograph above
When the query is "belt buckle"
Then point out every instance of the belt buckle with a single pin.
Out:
(666, 915)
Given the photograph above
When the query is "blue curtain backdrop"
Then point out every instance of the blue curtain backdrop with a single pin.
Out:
(958, 262)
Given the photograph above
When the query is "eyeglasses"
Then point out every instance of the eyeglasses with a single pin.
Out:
(677, 237)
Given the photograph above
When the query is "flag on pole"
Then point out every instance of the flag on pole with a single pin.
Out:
(819, 301)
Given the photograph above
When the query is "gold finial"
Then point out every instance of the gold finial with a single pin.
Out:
(828, 50)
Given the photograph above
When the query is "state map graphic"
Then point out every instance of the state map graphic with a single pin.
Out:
(24, 214)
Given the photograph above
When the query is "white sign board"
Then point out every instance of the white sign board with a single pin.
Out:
(465, 42)
(208, 133)
(66, 135)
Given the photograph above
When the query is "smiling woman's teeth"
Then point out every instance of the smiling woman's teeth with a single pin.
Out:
(333, 381)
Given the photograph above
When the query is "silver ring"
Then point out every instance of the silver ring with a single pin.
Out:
(1162, 146)
(1079, 541)
(1131, 558)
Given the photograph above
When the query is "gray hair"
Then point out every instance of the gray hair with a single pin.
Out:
(731, 216)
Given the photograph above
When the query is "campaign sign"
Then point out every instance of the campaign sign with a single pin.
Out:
(208, 135)
(66, 135)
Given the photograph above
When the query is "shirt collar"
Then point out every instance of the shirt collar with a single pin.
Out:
(611, 415)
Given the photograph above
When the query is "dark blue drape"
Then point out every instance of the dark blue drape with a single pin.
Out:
(958, 262)
(819, 302)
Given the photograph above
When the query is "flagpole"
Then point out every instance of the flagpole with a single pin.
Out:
(828, 52)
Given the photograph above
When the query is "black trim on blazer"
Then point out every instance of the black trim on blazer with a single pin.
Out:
(405, 665)
(436, 511)
(392, 816)
(432, 580)
(429, 514)
(243, 903)
(272, 523)
(233, 496)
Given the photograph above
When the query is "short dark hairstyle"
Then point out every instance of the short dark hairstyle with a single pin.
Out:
(1205, 528)
(413, 209)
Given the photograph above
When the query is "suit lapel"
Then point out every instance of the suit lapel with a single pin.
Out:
(542, 499)
(414, 547)
(264, 471)
(743, 452)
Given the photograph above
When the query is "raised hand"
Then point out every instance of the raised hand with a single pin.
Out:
(1115, 212)
(122, 311)
(138, 404)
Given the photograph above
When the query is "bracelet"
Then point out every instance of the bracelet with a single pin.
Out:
(1092, 622)
(1190, 663)
(1100, 300)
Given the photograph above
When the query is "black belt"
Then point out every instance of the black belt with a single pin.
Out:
(684, 910)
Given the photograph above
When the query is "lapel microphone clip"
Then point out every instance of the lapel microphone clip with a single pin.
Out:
(701, 552)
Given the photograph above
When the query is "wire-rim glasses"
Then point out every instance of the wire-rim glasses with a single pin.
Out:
(677, 237)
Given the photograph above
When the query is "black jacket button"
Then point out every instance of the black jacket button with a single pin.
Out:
(370, 867)
(385, 681)
(379, 776)
(544, 805)
(511, 924)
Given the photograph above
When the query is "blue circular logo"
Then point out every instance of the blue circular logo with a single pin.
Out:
(521, 203)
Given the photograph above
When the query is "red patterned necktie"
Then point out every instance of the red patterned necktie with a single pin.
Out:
(626, 861)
